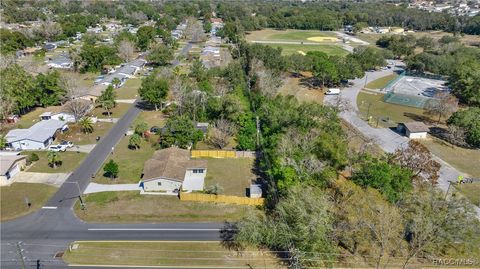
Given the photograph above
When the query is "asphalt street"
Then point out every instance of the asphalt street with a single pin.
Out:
(37, 237)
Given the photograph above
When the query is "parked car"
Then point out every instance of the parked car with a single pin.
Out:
(57, 148)
(154, 129)
(333, 91)
(66, 143)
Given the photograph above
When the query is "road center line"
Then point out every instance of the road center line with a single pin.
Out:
(151, 229)
(49, 207)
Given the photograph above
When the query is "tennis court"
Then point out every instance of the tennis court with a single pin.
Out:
(413, 91)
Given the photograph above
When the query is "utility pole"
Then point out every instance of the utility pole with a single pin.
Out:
(20, 255)
(258, 131)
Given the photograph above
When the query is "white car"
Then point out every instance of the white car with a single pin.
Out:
(66, 143)
(57, 148)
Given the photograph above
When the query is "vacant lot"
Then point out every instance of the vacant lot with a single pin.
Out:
(130, 89)
(169, 253)
(293, 86)
(13, 199)
(470, 191)
(381, 82)
(287, 35)
(373, 105)
(152, 118)
(76, 135)
(116, 112)
(130, 162)
(233, 175)
(465, 160)
(330, 49)
(131, 207)
(70, 161)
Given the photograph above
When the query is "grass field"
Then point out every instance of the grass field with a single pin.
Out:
(233, 175)
(465, 160)
(292, 86)
(130, 89)
(330, 49)
(70, 161)
(152, 118)
(76, 135)
(116, 112)
(470, 191)
(133, 207)
(130, 162)
(287, 35)
(167, 253)
(381, 82)
(12, 199)
(379, 108)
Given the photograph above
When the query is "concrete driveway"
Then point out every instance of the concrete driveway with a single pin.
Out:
(55, 179)
(82, 148)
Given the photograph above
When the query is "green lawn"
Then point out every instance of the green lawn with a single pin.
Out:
(130, 89)
(76, 135)
(233, 175)
(116, 112)
(330, 49)
(12, 199)
(70, 161)
(381, 82)
(470, 191)
(465, 160)
(293, 86)
(130, 162)
(152, 118)
(168, 253)
(379, 108)
(287, 35)
(133, 207)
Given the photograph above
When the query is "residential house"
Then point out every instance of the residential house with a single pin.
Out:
(137, 63)
(171, 170)
(93, 93)
(127, 70)
(109, 79)
(10, 165)
(61, 62)
(413, 130)
(39, 136)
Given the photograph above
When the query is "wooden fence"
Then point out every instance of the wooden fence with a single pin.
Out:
(222, 154)
(202, 197)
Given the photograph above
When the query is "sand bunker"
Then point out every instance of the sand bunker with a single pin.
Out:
(301, 52)
(323, 39)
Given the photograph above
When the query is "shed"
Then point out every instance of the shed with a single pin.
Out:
(255, 191)
(413, 130)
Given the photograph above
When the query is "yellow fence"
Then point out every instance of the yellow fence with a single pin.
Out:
(202, 197)
(214, 153)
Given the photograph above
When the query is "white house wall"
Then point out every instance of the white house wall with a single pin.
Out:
(29, 144)
(194, 181)
(165, 185)
(416, 135)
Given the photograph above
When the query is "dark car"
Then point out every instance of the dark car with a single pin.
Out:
(154, 129)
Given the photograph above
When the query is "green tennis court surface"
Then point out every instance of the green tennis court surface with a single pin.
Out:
(405, 100)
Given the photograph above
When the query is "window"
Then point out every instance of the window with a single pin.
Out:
(198, 171)
(159, 183)
(195, 171)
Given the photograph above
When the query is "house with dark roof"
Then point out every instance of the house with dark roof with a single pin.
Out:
(171, 170)
(39, 136)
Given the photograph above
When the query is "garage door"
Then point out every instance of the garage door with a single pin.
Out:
(14, 170)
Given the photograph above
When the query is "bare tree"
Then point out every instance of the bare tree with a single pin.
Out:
(221, 133)
(457, 134)
(417, 158)
(50, 29)
(266, 81)
(72, 90)
(443, 104)
(126, 50)
(78, 108)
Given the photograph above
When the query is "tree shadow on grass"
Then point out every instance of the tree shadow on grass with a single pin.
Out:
(417, 117)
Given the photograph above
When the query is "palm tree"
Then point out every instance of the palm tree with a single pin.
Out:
(86, 124)
(53, 159)
(116, 82)
(134, 141)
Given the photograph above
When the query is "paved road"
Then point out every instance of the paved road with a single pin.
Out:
(40, 235)
(386, 138)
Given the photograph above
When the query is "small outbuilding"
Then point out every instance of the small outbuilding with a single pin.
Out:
(413, 130)
(255, 191)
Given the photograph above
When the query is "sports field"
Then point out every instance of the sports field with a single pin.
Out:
(298, 41)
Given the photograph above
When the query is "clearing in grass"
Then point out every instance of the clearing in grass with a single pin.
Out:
(133, 207)
(168, 253)
(70, 160)
(303, 93)
(129, 90)
(13, 199)
(78, 137)
(117, 112)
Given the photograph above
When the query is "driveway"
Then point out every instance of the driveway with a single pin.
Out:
(387, 139)
(95, 187)
(82, 148)
(55, 179)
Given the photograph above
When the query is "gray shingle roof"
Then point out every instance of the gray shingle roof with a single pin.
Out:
(39, 132)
